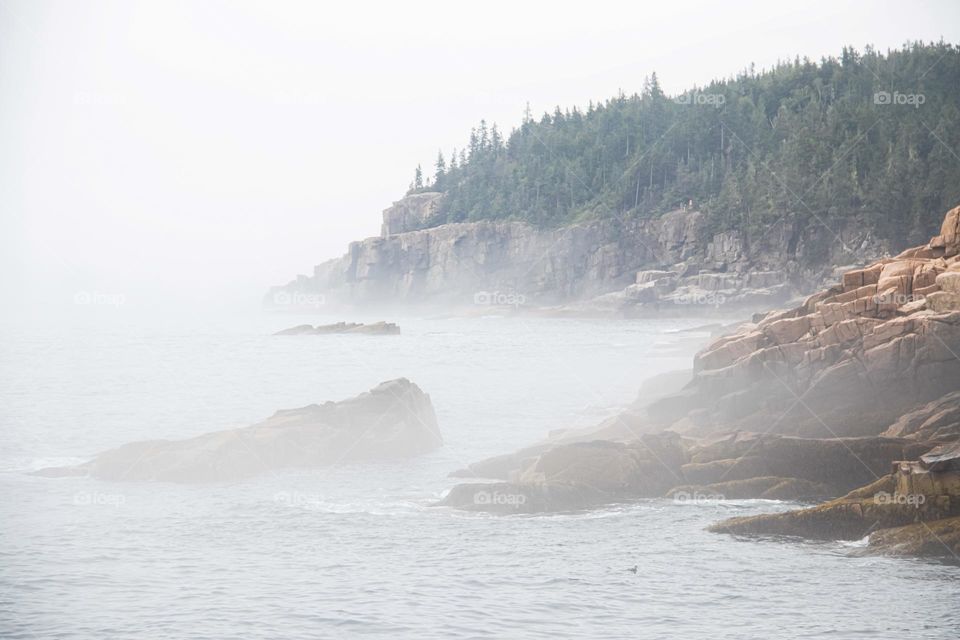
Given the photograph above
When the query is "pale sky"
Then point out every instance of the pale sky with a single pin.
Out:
(191, 154)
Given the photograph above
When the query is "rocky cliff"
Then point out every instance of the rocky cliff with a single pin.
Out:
(850, 360)
(811, 401)
(512, 263)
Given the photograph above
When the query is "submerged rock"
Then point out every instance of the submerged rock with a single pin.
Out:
(938, 538)
(394, 420)
(377, 328)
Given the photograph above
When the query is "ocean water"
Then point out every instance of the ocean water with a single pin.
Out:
(359, 550)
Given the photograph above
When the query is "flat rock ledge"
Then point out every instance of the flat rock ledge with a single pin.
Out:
(729, 466)
(897, 524)
(393, 421)
(375, 329)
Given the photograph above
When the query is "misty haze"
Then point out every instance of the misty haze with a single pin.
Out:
(495, 321)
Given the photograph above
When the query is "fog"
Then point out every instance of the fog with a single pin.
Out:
(677, 359)
(187, 156)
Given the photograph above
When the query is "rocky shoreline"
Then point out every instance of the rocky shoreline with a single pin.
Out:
(809, 403)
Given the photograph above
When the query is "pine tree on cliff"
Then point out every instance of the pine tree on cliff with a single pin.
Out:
(441, 171)
(417, 184)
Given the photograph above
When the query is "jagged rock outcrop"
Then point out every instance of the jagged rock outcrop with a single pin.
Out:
(851, 360)
(936, 421)
(465, 263)
(580, 475)
(897, 523)
(657, 291)
(412, 213)
(865, 357)
(394, 420)
(729, 466)
(374, 329)
(913, 511)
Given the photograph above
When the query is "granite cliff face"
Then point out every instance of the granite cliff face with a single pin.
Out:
(851, 360)
(512, 263)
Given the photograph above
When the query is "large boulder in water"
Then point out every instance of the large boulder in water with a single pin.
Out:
(392, 421)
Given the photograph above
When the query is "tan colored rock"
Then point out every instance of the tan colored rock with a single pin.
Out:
(949, 237)
(925, 291)
(913, 306)
(925, 253)
(933, 420)
(850, 517)
(899, 268)
(943, 301)
(865, 291)
(810, 304)
(926, 274)
(949, 281)
(860, 277)
(846, 331)
(729, 352)
(894, 288)
(884, 332)
(787, 329)
(892, 356)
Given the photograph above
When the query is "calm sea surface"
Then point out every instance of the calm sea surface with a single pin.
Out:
(358, 550)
